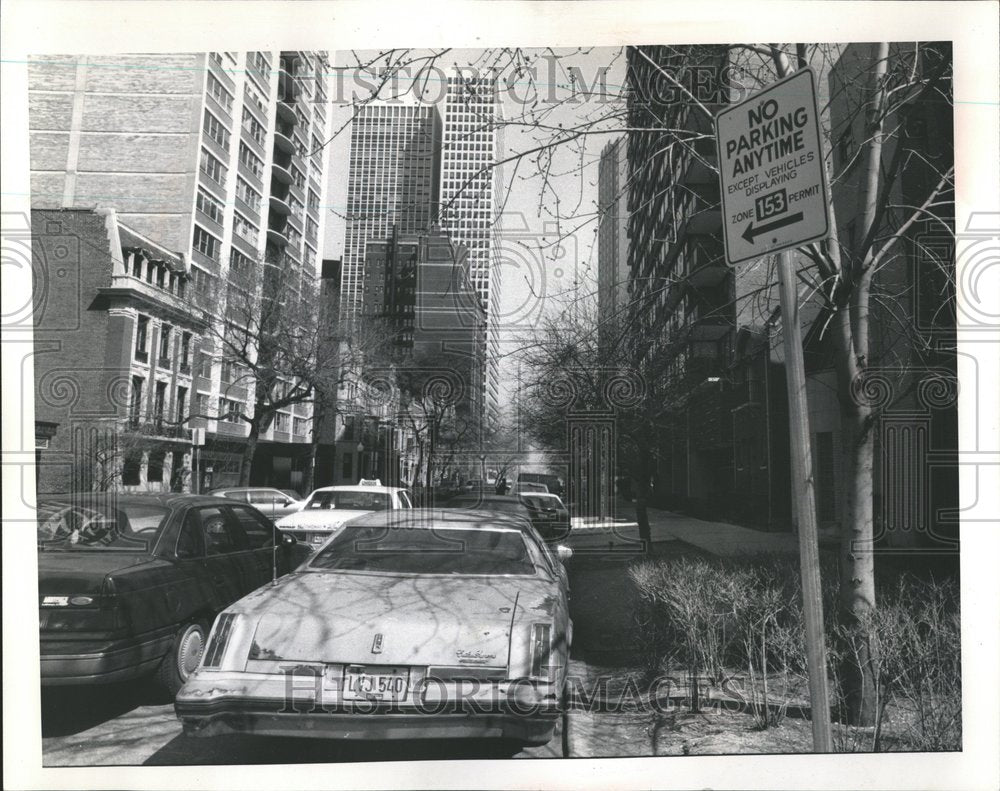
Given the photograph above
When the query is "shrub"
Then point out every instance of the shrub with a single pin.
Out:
(723, 618)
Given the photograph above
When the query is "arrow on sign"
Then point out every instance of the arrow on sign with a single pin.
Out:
(750, 233)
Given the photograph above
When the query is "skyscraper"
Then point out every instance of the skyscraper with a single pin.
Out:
(612, 245)
(470, 203)
(216, 157)
(393, 182)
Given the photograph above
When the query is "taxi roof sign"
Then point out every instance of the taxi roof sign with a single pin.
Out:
(370, 482)
(771, 175)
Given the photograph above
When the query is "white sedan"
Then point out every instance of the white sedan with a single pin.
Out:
(327, 509)
(405, 625)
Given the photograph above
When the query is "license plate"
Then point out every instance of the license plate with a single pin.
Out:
(375, 682)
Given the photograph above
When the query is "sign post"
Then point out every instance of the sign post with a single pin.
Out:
(773, 188)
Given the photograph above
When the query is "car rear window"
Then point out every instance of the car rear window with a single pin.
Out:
(131, 527)
(353, 501)
(426, 551)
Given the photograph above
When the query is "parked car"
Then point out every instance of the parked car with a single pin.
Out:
(388, 632)
(552, 482)
(273, 503)
(330, 507)
(128, 585)
(550, 510)
(512, 505)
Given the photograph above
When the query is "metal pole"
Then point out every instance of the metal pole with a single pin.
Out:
(805, 506)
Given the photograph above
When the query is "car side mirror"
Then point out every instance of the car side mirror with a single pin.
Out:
(564, 553)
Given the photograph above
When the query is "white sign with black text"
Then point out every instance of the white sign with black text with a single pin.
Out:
(771, 174)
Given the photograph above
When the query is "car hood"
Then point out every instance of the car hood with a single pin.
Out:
(335, 617)
(319, 519)
(80, 571)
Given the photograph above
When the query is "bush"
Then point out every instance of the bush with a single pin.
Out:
(916, 651)
(724, 619)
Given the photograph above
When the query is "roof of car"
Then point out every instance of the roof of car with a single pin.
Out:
(476, 497)
(360, 488)
(428, 518)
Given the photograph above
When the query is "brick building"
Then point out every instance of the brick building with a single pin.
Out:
(218, 157)
(116, 335)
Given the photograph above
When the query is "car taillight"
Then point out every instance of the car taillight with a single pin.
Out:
(220, 638)
(541, 649)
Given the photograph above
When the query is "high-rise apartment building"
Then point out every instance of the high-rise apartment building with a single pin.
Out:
(393, 182)
(471, 184)
(612, 245)
(216, 157)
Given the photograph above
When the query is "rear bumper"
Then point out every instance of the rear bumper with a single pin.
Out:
(224, 703)
(117, 661)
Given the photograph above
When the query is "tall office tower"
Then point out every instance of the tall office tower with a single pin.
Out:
(393, 182)
(612, 246)
(470, 205)
(217, 157)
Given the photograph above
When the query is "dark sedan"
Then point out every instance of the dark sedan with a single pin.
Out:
(548, 529)
(130, 584)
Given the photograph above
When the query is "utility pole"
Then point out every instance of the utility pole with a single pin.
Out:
(804, 498)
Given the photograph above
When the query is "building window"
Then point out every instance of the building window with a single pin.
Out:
(243, 227)
(205, 243)
(182, 394)
(212, 167)
(229, 410)
(164, 359)
(218, 92)
(136, 265)
(348, 466)
(131, 467)
(135, 401)
(215, 129)
(159, 404)
(251, 160)
(281, 422)
(247, 194)
(141, 337)
(254, 127)
(186, 353)
(209, 206)
(154, 469)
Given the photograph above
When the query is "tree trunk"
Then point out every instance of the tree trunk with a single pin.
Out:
(642, 498)
(857, 572)
(249, 449)
(857, 531)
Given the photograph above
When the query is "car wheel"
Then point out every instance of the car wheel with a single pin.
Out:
(183, 657)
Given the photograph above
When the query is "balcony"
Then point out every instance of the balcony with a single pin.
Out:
(277, 237)
(283, 141)
(158, 427)
(281, 174)
(280, 206)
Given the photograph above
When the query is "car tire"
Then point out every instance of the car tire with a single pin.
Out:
(184, 655)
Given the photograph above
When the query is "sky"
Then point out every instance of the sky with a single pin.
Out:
(548, 229)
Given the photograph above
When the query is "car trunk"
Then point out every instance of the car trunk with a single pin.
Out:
(388, 620)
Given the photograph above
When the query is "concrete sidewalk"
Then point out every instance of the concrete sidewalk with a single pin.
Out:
(717, 538)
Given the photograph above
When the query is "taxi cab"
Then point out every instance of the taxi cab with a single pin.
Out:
(327, 509)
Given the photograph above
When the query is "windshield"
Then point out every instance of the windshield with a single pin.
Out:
(504, 506)
(353, 501)
(540, 502)
(421, 551)
(99, 526)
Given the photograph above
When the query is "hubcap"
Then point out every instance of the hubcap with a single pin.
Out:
(189, 651)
